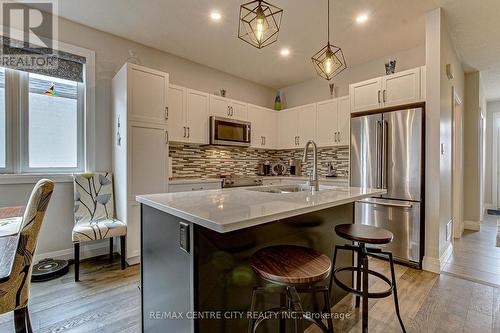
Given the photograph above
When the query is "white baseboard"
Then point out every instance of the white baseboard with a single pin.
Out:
(431, 265)
(87, 250)
(134, 260)
(472, 225)
(487, 206)
(436, 265)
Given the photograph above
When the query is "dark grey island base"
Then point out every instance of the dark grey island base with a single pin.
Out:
(212, 276)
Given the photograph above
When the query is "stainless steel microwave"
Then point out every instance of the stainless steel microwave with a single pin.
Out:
(230, 132)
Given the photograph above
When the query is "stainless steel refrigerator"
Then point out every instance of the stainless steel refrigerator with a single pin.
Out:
(387, 151)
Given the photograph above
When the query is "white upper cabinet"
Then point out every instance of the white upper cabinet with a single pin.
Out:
(344, 121)
(197, 106)
(147, 94)
(239, 110)
(176, 112)
(327, 119)
(288, 129)
(366, 95)
(188, 115)
(333, 122)
(401, 88)
(227, 108)
(386, 91)
(306, 124)
(264, 123)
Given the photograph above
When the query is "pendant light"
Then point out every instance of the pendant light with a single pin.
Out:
(329, 61)
(260, 23)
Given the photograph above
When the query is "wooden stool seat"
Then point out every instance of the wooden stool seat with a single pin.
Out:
(364, 233)
(291, 265)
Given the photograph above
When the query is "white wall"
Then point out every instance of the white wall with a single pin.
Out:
(493, 111)
(318, 89)
(438, 166)
(474, 100)
(111, 53)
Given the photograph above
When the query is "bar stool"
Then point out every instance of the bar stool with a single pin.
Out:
(362, 235)
(298, 269)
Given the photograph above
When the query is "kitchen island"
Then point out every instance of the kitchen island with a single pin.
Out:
(195, 248)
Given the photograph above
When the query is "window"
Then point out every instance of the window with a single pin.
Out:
(50, 128)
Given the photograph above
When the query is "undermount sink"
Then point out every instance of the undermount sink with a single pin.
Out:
(286, 189)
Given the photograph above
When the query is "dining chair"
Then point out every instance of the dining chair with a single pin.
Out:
(95, 214)
(14, 293)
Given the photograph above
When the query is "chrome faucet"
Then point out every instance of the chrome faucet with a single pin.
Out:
(313, 177)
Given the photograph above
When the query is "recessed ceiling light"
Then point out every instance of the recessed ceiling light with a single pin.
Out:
(285, 52)
(215, 16)
(362, 18)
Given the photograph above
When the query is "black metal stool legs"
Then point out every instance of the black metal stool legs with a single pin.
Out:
(396, 302)
(362, 275)
(364, 264)
(358, 278)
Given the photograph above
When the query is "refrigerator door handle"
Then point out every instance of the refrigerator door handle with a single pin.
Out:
(376, 201)
(385, 133)
(378, 145)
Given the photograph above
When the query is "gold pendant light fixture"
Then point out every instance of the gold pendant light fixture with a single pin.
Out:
(329, 61)
(260, 23)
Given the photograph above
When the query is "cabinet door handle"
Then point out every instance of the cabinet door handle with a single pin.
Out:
(184, 131)
(339, 136)
(384, 96)
(334, 136)
(228, 112)
(166, 112)
(379, 97)
(264, 141)
(166, 136)
(232, 111)
(189, 134)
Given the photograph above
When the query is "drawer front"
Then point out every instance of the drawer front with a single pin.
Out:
(173, 188)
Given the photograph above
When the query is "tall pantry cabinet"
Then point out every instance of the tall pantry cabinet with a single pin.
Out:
(140, 144)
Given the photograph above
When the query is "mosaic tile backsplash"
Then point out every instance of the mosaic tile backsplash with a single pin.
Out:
(210, 161)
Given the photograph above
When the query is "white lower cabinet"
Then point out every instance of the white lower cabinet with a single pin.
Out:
(173, 188)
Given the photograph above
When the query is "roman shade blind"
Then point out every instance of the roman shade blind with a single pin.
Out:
(15, 54)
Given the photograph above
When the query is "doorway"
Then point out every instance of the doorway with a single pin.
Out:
(457, 165)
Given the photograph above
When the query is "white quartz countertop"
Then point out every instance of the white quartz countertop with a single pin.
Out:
(233, 209)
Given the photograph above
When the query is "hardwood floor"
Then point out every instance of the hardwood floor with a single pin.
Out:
(476, 256)
(107, 300)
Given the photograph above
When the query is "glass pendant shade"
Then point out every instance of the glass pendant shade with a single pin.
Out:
(329, 61)
(259, 23)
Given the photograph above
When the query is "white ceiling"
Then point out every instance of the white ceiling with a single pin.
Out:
(184, 28)
(475, 29)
